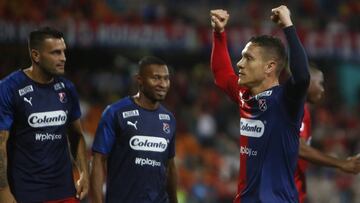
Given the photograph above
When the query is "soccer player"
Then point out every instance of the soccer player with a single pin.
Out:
(308, 153)
(37, 108)
(135, 143)
(270, 114)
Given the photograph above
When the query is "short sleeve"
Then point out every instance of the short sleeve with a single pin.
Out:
(172, 141)
(75, 109)
(105, 132)
(6, 106)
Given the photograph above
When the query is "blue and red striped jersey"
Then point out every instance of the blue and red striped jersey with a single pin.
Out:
(269, 125)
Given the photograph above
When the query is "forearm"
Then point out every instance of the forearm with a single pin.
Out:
(317, 157)
(81, 157)
(97, 178)
(221, 65)
(3, 160)
(172, 182)
(297, 58)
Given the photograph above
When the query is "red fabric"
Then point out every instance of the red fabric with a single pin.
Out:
(227, 80)
(305, 133)
(67, 200)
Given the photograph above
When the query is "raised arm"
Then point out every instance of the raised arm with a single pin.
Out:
(299, 82)
(349, 165)
(82, 185)
(5, 193)
(221, 66)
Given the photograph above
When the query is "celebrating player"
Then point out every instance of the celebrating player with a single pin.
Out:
(270, 114)
(37, 107)
(135, 143)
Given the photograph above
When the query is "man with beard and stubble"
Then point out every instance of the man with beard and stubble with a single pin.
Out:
(38, 107)
(135, 143)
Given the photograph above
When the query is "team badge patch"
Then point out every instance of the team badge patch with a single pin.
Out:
(166, 128)
(262, 104)
(62, 97)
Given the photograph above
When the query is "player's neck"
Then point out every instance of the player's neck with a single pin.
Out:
(144, 102)
(265, 85)
(36, 74)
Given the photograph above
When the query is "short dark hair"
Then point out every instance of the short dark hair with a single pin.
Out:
(273, 46)
(37, 37)
(149, 60)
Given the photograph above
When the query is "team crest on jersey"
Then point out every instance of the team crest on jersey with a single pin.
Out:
(62, 97)
(166, 128)
(26, 90)
(262, 104)
(59, 86)
(127, 114)
(164, 116)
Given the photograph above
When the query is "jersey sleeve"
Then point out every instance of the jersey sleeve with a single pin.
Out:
(75, 112)
(6, 106)
(105, 132)
(306, 124)
(221, 67)
(172, 141)
(296, 86)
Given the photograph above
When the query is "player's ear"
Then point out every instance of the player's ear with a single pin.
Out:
(35, 55)
(270, 67)
(138, 79)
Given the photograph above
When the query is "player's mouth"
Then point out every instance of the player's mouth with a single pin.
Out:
(161, 92)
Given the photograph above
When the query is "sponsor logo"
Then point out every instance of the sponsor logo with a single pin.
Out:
(147, 143)
(149, 162)
(26, 90)
(44, 119)
(248, 151)
(251, 128)
(164, 117)
(127, 114)
(28, 100)
(59, 86)
(47, 136)
(132, 124)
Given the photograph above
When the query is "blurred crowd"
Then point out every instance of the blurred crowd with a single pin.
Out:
(313, 13)
(207, 153)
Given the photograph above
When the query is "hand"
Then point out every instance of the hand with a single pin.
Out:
(219, 19)
(351, 165)
(281, 16)
(82, 186)
(6, 196)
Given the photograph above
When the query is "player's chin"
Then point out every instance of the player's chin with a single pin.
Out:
(58, 72)
(241, 82)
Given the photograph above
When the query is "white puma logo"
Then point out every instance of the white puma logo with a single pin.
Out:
(132, 124)
(28, 100)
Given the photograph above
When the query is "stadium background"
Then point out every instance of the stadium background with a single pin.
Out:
(106, 38)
